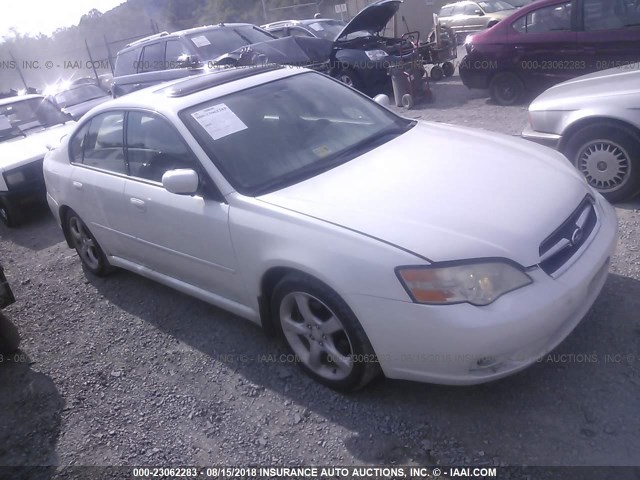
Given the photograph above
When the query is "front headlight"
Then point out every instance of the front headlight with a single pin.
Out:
(478, 283)
(14, 178)
(376, 55)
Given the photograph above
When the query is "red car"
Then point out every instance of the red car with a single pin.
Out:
(550, 41)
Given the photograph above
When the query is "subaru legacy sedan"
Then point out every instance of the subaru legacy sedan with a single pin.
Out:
(331, 224)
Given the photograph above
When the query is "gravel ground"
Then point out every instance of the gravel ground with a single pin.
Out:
(123, 371)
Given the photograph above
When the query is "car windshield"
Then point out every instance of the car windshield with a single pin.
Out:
(328, 29)
(18, 117)
(495, 6)
(280, 133)
(213, 43)
(78, 95)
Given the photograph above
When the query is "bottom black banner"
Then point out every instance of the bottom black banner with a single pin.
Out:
(319, 473)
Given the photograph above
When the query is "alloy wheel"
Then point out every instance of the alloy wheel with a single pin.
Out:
(316, 335)
(84, 243)
(605, 164)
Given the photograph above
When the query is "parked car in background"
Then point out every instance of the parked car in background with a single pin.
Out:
(520, 3)
(28, 124)
(329, 221)
(595, 121)
(361, 53)
(326, 28)
(548, 42)
(79, 99)
(168, 56)
(468, 17)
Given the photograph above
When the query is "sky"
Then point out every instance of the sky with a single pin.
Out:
(45, 16)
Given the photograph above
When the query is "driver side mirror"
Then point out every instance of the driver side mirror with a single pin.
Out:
(188, 61)
(479, 13)
(181, 182)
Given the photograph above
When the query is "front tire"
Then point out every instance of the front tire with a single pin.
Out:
(9, 214)
(349, 77)
(324, 334)
(608, 156)
(9, 336)
(437, 73)
(87, 247)
(506, 89)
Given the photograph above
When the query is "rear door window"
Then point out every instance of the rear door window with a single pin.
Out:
(554, 18)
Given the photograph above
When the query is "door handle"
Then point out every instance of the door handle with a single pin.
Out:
(139, 204)
(77, 185)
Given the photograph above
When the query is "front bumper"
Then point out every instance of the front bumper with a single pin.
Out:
(550, 140)
(463, 344)
(23, 197)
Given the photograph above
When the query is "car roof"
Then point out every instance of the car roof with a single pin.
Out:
(286, 23)
(19, 98)
(170, 97)
(179, 33)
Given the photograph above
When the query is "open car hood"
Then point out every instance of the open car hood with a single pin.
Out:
(372, 18)
(300, 51)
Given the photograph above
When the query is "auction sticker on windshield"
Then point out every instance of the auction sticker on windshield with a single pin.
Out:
(219, 121)
(201, 41)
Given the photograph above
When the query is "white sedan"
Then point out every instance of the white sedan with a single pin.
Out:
(298, 203)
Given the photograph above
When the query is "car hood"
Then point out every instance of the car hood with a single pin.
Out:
(77, 111)
(447, 193)
(21, 150)
(372, 18)
(622, 81)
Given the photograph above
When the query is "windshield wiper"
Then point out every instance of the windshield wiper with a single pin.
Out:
(321, 166)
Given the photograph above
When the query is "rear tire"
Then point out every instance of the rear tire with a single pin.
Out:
(437, 73)
(9, 336)
(506, 89)
(90, 253)
(324, 334)
(448, 68)
(407, 101)
(608, 155)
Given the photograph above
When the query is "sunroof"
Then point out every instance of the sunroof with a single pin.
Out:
(213, 79)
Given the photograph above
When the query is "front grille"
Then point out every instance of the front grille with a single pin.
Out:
(563, 244)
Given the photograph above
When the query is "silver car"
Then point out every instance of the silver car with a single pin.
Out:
(595, 121)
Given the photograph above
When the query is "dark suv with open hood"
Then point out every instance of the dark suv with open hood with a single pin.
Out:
(168, 56)
(361, 53)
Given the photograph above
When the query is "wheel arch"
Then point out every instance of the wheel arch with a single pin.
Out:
(578, 125)
(64, 212)
(268, 282)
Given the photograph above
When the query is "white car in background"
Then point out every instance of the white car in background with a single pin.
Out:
(28, 124)
(595, 121)
(331, 223)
